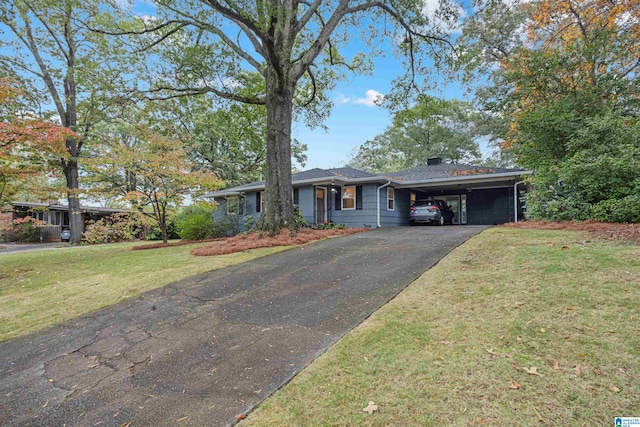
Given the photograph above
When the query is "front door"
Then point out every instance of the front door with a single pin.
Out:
(321, 205)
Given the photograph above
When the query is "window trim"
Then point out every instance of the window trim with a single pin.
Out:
(391, 199)
(342, 198)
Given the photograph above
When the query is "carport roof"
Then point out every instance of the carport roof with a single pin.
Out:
(425, 174)
(446, 170)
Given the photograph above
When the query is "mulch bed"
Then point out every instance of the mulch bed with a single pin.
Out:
(243, 242)
(613, 231)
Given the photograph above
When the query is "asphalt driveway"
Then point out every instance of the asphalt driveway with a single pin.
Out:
(205, 349)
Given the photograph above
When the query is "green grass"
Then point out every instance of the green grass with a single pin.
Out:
(449, 349)
(42, 288)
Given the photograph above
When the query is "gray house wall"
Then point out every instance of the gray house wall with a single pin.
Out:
(484, 206)
(306, 202)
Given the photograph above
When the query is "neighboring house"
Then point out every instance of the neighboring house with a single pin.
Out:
(477, 195)
(57, 216)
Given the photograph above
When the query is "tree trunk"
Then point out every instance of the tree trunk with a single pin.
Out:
(76, 223)
(278, 203)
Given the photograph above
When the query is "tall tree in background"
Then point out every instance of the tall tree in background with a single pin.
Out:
(226, 139)
(292, 46)
(574, 72)
(56, 57)
(489, 39)
(432, 128)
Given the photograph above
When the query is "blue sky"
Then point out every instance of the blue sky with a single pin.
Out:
(354, 118)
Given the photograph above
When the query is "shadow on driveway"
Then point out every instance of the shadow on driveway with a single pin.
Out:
(202, 350)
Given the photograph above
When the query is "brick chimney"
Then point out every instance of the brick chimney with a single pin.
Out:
(431, 161)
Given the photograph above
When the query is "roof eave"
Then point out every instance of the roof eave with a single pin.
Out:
(316, 181)
(466, 179)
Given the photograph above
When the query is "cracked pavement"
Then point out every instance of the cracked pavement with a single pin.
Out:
(205, 349)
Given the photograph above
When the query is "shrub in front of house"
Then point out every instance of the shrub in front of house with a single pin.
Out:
(119, 227)
(24, 230)
(196, 222)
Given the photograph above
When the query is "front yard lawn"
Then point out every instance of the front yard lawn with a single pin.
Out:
(42, 288)
(515, 327)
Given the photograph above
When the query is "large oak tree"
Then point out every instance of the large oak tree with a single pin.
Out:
(217, 47)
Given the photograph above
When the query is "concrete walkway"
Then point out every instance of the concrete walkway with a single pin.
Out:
(203, 350)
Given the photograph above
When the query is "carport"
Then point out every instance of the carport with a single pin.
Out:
(478, 196)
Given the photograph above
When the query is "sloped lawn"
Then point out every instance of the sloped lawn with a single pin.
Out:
(42, 288)
(515, 327)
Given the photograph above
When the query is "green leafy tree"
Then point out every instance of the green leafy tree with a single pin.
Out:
(50, 49)
(226, 139)
(432, 128)
(294, 50)
(573, 74)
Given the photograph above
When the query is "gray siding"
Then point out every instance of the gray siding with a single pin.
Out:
(490, 206)
(306, 202)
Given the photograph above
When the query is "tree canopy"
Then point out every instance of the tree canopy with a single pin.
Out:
(431, 128)
(571, 75)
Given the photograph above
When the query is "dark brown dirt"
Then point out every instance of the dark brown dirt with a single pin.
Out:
(612, 231)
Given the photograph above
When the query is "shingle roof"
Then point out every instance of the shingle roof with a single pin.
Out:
(445, 170)
(422, 173)
(318, 173)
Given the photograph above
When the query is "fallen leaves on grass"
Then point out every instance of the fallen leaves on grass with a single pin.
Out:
(606, 230)
(515, 385)
(255, 240)
(370, 408)
(532, 371)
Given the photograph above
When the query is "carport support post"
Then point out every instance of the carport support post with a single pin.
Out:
(515, 199)
(378, 200)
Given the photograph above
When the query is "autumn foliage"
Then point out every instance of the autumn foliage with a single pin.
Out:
(27, 142)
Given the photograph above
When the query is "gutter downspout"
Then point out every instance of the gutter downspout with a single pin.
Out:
(515, 199)
(378, 200)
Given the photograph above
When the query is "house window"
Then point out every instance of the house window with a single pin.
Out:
(259, 201)
(233, 205)
(349, 197)
(412, 199)
(38, 215)
(390, 198)
(296, 196)
(56, 218)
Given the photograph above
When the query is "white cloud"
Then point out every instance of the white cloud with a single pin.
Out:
(372, 98)
(341, 99)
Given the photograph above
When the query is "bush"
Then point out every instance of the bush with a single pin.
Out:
(249, 223)
(120, 227)
(621, 210)
(196, 222)
(298, 218)
(22, 230)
